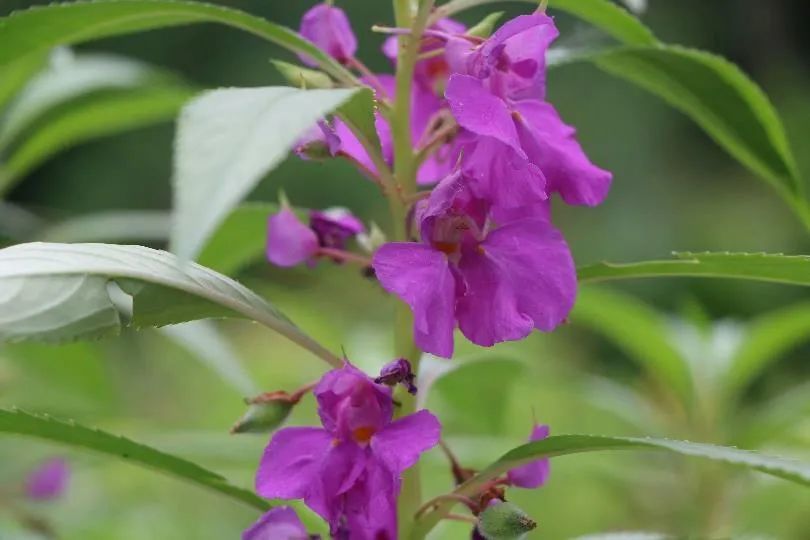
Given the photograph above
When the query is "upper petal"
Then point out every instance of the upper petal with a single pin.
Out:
(292, 462)
(289, 242)
(479, 111)
(401, 443)
(421, 277)
(552, 146)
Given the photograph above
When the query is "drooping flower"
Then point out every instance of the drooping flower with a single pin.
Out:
(290, 242)
(498, 281)
(348, 471)
(329, 28)
(534, 474)
(280, 523)
(48, 481)
(497, 91)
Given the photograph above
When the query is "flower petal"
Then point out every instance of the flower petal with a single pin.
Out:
(400, 443)
(481, 112)
(280, 523)
(534, 474)
(289, 242)
(48, 481)
(421, 277)
(291, 463)
(340, 470)
(552, 145)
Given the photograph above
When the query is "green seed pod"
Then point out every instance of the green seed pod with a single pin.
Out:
(263, 417)
(504, 521)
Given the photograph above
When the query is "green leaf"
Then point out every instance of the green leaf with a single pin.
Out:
(70, 76)
(69, 433)
(602, 14)
(15, 74)
(485, 26)
(301, 77)
(639, 331)
(227, 141)
(358, 114)
(766, 340)
(627, 535)
(59, 292)
(722, 100)
(39, 29)
(240, 240)
(777, 268)
(571, 444)
(84, 120)
(117, 226)
(764, 421)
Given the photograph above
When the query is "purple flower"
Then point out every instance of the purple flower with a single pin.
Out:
(320, 142)
(512, 62)
(349, 471)
(290, 242)
(48, 481)
(534, 474)
(497, 91)
(280, 523)
(328, 27)
(498, 282)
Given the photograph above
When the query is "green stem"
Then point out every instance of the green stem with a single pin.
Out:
(405, 166)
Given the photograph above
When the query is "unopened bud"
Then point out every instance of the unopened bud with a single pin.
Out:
(398, 371)
(302, 77)
(265, 413)
(504, 521)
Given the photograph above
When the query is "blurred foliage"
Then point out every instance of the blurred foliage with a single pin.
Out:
(674, 190)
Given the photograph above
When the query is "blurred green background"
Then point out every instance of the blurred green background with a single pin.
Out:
(674, 189)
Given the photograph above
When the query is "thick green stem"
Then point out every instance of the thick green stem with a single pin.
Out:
(405, 166)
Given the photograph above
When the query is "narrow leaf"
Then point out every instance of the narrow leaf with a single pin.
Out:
(15, 74)
(240, 240)
(42, 28)
(778, 268)
(104, 115)
(227, 141)
(718, 97)
(69, 433)
(571, 444)
(639, 331)
(117, 226)
(59, 292)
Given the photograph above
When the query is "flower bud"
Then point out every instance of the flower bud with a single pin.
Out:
(266, 413)
(504, 521)
(302, 77)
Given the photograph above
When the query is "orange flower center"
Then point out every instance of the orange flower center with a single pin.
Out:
(363, 434)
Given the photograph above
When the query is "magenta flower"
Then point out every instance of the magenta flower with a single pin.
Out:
(349, 471)
(290, 242)
(48, 481)
(497, 282)
(496, 92)
(328, 27)
(534, 474)
(280, 523)
(512, 62)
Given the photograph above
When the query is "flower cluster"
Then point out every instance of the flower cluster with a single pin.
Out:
(486, 257)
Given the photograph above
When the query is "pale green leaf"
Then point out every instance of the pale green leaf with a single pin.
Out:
(67, 77)
(16, 74)
(106, 114)
(639, 331)
(777, 268)
(59, 292)
(227, 141)
(560, 445)
(72, 434)
(767, 338)
(42, 28)
(116, 226)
